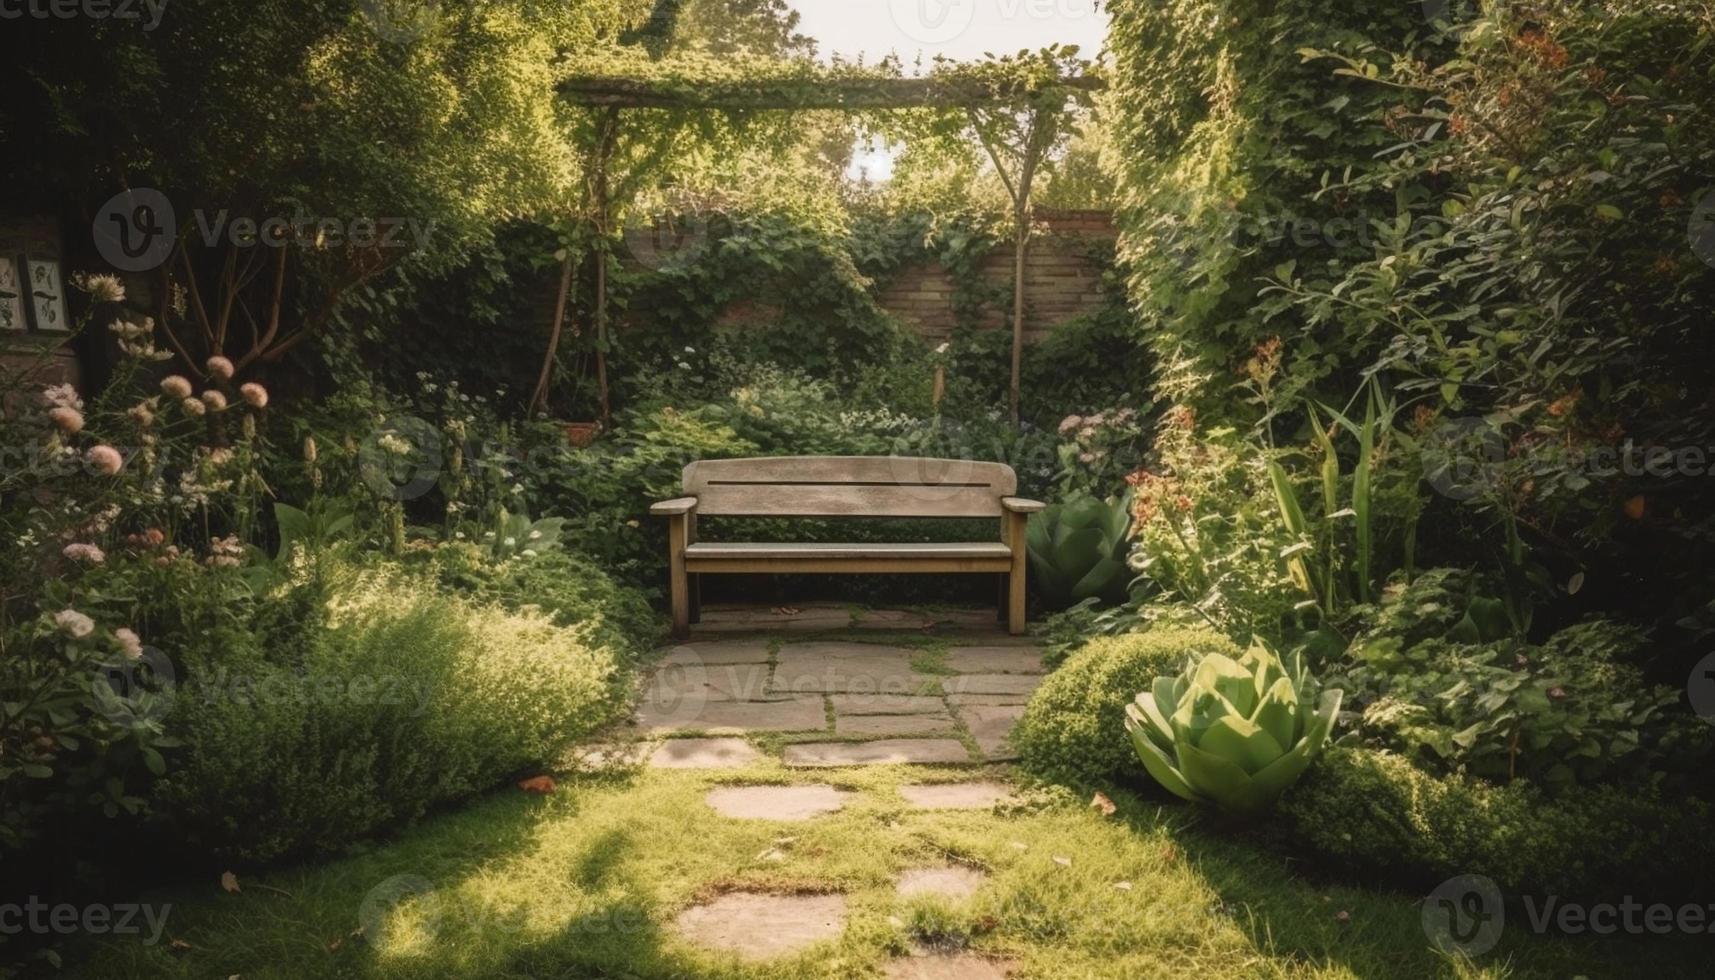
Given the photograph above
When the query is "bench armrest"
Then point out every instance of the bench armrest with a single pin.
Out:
(674, 508)
(1019, 505)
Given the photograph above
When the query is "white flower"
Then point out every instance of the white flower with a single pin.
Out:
(214, 400)
(101, 288)
(61, 396)
(79, 551)
(193, 406)
(74, 623)
(176, 387)
(129, 643)
(510, 542)
(220, 367)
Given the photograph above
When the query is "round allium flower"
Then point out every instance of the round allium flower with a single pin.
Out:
(79, 551)
(69, 420)
(254, 394)
(130, 643)
(193, 406)
(105, 460)
(220, 367)
(214, 400)
(176, 386)
(1070, 424)
(61, 396)
(74, 623)
(142, 413)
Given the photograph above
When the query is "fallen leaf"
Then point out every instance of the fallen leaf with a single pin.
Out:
(229, 881)
(180, 946)
(1101, 802)
(785, 611)
(1063, 862)
(1169, 855)
(538, 784)
(1342, 916)
(1124, 886)
(1635, 507)
(1020, 846)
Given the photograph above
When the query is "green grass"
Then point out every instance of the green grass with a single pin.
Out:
(586, 883)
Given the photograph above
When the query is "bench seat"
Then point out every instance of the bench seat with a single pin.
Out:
(892, 487)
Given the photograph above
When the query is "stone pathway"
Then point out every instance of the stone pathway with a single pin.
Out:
(831, 703)
(874, 703)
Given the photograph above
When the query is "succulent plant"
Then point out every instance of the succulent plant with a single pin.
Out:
(1232, 733)
(1078, 550)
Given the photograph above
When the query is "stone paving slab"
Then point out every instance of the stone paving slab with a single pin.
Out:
(919, 724)
(848, 668)
(995, 660)
(957, 700)
(954, 882)
(704, 753)
(922, 751)
(717, 652)
(789, 803)
(736, 717)
(955, 796)
(886, 704)
(946, 966)
(1014, 684)
(990, 724)
(900, 619)
(756, 926)
(714, 682)
(764, 620)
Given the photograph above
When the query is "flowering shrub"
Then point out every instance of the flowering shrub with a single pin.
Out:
(1099, 450)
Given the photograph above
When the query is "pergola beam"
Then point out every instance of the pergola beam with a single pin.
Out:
(810, 93)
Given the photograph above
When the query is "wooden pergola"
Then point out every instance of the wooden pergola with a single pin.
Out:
(1044, 101)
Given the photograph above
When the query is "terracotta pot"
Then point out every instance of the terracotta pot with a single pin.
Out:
(581, 434)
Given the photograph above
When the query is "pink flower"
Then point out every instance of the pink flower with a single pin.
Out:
(129, 643)
(74, 623)
(105, 460)
(69, 420)
(142, 413)
(220, 367)
(1069, 424)
(193, 406)
(78, 551)
(214, 400)
(254, 394)
(61, 396)
(176, 386)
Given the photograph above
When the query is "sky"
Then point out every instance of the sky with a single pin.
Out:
(965, 30)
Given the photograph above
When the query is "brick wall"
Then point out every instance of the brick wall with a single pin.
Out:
(1061, 282)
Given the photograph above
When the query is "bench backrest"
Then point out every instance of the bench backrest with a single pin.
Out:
(849, 486)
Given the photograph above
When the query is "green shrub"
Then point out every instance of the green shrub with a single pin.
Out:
(1074, 727)
(1370, 811)
(407, 699)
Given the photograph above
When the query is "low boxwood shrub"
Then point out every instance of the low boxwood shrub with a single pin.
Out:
(408, 698)
(1073, 730)
(1373, 811)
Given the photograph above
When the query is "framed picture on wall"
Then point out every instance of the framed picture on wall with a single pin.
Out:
(11, 296)
(47, 295)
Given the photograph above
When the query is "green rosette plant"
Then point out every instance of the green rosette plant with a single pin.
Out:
(1232, 733)
(1078, 550)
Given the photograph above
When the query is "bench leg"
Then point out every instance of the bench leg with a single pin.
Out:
(1000, 601)
(696, 586)
(1015, 623)
(678, 585)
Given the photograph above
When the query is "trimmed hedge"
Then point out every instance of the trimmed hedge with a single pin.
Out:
(1375, 812)
(1073, 730)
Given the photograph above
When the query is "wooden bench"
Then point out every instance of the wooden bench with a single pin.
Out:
(846, 486)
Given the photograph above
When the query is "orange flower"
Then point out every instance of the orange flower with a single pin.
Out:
(1636, 507)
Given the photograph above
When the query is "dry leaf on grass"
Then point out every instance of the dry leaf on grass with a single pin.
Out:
(229, 881)
(538, 784)
(1101, 802)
